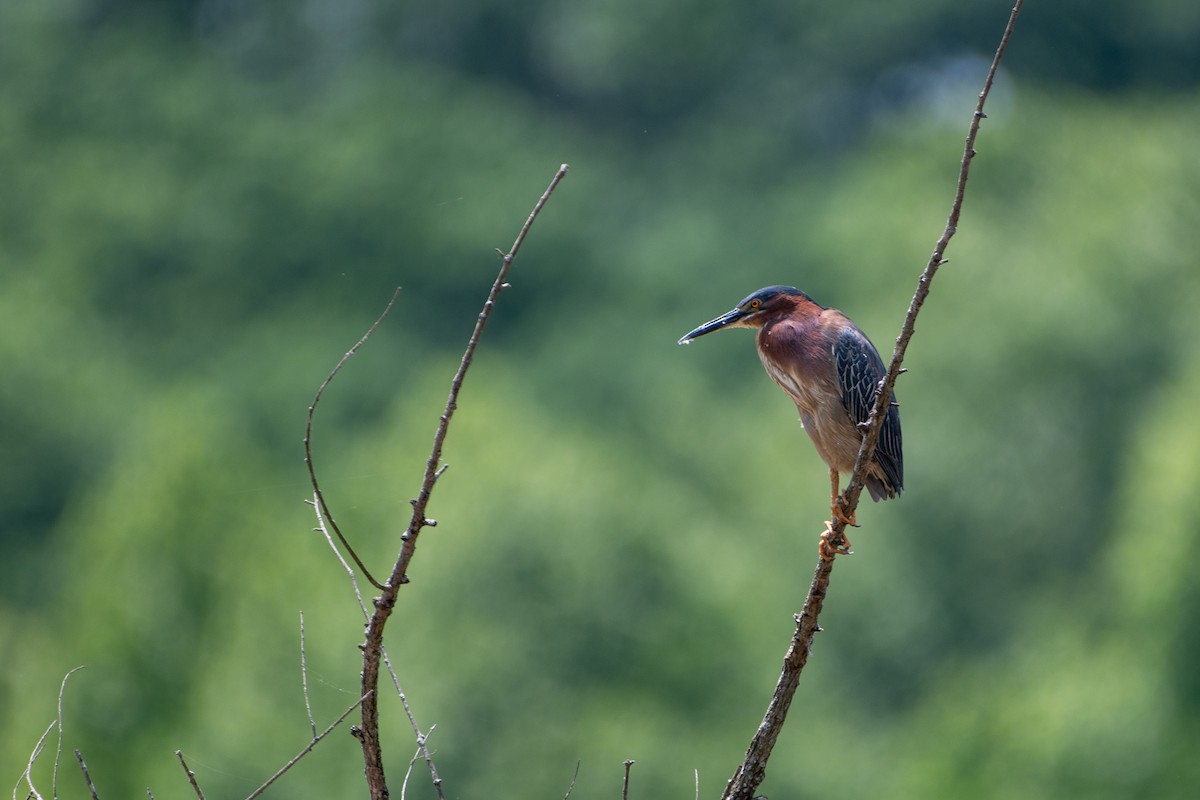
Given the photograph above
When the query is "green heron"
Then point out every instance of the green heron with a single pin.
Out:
(830, 369)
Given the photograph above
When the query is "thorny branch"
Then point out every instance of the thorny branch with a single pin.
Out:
(752, 770)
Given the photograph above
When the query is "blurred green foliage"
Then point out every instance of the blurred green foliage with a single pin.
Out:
(205, 203)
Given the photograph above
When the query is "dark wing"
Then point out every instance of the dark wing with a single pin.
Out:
(859, 370)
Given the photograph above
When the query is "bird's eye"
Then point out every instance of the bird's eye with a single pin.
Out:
(754, 304)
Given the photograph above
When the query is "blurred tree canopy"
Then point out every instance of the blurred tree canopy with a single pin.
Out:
(205, 204)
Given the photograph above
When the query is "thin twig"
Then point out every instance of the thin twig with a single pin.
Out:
(422, 738)
(412, 762)
(323, 529)
(312, 723)
(190, 775)
(385, 603)
(87, 776)
(149, 793)
(752, 770)
(308, 440)
(62, 689)
(305, 751)
(629, 762)
(574, 778)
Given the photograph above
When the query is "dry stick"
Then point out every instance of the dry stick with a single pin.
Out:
(191, 775)
(62, 689)
(753, 768)
(412, 720)
(307, 749)
(385, 603)
(629, 762)
(86, 776)
(308, 440)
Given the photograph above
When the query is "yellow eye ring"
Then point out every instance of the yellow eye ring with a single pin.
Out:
(754, 304)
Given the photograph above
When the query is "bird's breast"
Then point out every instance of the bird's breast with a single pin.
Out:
(799, 359)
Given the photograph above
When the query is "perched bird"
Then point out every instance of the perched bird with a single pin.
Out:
(830, 369)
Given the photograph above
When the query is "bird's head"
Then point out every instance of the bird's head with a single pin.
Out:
(756, 310)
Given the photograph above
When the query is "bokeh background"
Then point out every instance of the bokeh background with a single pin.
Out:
(205, 202)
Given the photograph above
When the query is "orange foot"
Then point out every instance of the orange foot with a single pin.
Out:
(827, 549)
(838, 509)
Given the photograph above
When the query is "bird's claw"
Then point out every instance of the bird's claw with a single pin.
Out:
(838, 510)
(828, 549)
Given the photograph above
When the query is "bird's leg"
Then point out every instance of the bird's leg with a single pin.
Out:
(826, 549)
(837, 503)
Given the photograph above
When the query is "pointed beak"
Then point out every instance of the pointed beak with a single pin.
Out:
(724, 321)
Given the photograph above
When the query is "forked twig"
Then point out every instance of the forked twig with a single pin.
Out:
(27, 775)
(752, 770)
(422, 750)
(412, 720)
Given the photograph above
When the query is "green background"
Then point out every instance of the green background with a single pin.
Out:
(204, 204)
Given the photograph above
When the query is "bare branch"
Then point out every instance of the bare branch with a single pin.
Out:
(190, 775)
(883, 394)
(305, 751)
(629, 762)
(433, 466)
(308, 440)
(62, 689)
(87, 776)
(753, 768)
(384, 604)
